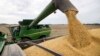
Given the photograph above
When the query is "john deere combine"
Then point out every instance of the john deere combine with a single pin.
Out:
(23, 32)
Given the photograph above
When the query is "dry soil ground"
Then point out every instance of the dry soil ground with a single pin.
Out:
(60, 29)
(63, 47)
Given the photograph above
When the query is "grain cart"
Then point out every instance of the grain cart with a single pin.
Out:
(24, 33)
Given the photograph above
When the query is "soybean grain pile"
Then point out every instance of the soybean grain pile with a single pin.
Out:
(80, 41)
(79, 36)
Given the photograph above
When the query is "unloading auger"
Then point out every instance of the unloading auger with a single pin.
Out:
(62, 5)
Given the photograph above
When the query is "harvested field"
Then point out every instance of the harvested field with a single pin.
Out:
(62, 46)
(5, 29)
(59, 29)
(79, 42)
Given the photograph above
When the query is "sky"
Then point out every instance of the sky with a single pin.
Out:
(12, 11)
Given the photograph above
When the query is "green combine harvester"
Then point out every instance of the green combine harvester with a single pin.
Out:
(24, 33)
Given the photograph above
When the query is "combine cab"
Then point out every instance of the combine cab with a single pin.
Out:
(23, 33)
